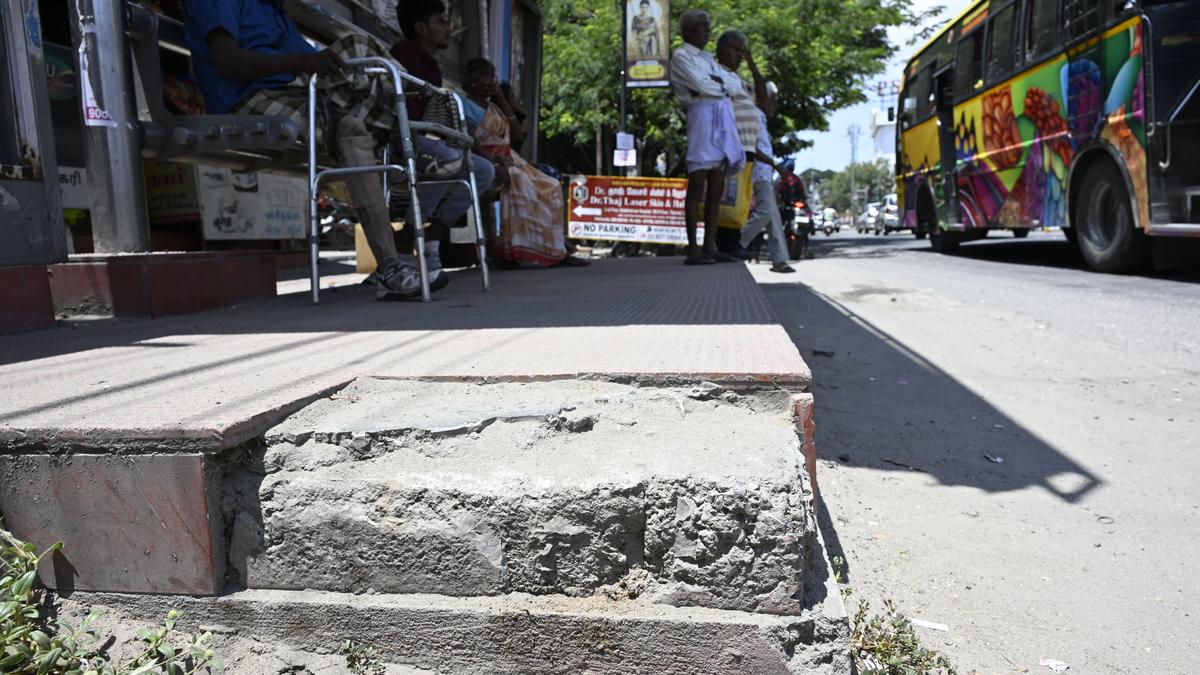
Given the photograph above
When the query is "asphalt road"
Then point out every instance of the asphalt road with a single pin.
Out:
(1010, 445)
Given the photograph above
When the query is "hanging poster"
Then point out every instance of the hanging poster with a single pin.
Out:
(95, 113)
(647, 43)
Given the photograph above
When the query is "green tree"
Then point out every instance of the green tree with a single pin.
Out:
(819, 52)
(873, 180)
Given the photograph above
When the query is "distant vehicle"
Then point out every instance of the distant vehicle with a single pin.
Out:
(1056, 113)
(889, 215)
(829, 221)
(868, 220)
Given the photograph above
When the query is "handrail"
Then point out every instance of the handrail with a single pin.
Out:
(1165, 164)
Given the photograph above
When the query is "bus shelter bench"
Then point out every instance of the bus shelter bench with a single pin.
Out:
(251, 143)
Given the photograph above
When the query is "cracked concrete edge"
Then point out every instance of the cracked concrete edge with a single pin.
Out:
(52, 440)
(513, 633)
(206, 440)
(792, 381)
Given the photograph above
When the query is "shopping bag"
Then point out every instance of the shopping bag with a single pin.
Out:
(735, 200)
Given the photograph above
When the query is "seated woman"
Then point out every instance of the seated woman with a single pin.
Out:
(531, 203)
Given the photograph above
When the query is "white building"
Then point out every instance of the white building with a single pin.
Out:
(883, 135)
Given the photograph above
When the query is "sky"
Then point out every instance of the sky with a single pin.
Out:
(831, 149)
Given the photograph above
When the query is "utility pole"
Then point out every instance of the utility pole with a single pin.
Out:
(624, 84)
(853, 133)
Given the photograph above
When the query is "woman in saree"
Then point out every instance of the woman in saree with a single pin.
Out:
(531, 203)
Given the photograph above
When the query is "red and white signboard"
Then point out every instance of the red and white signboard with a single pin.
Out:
(646, 210)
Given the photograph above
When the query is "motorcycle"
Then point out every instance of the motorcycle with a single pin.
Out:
(830, 223)
(798, 225)
(337, 220)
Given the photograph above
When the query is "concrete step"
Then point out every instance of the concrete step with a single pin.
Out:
(514, 633)
(681, 495)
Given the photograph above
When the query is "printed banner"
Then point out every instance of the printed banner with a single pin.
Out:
(252, 206)
(646, 210)
(647, 43)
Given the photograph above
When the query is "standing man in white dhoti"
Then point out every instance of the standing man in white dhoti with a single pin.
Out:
(703, 87)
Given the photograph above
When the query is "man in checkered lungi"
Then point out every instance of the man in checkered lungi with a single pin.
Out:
(249, 58)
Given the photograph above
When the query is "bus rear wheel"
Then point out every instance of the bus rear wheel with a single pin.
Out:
(1021, 233)
(942, 241)
(1104, 225)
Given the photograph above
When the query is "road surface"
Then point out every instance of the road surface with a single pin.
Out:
(1010, 445)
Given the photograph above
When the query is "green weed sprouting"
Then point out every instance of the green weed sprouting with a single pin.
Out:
(32, 643)
(361, 659)
(886, 644)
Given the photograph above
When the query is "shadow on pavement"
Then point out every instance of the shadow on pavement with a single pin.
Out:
(861, 248)
(880, 405)
(621, 292)
(1176, 259)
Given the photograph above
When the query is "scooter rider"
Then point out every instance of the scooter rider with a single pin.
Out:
(790, 188)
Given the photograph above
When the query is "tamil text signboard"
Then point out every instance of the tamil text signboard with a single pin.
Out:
(646, 210)
(647, 43)
(252, 206)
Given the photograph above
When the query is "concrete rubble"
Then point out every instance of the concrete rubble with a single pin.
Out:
(560, 526)
(555, 487)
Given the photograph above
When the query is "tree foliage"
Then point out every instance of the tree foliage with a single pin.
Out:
(872, 180)
(819, 52)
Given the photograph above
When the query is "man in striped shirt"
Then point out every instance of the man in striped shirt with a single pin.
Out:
(733, 47)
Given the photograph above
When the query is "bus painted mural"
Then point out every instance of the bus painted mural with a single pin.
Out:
(1015, 142)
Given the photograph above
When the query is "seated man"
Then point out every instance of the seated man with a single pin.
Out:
(249, 58)
(426, 32)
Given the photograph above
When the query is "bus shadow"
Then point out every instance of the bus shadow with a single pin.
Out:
(1045, 251)
(1174, 259)
(882, 405)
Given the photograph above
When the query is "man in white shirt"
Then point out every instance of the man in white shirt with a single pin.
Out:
(703, 88)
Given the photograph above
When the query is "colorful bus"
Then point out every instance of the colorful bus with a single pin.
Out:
(1079, 114)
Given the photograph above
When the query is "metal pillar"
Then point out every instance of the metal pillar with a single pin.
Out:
(114, 159)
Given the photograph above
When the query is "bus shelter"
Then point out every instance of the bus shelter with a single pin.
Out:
(71, 150)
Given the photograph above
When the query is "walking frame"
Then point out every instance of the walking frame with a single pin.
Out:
(375, 65)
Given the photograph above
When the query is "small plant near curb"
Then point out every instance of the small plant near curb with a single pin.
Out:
(31, 643)
(887, 644)
(361, 659)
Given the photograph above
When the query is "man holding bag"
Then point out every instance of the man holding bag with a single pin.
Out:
(733, 47)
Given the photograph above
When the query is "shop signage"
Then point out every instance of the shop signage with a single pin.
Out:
(252, 206)
(647, 210)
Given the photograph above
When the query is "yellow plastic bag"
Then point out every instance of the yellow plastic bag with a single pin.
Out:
(735, 202)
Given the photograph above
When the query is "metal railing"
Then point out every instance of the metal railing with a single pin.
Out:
(380, 65)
